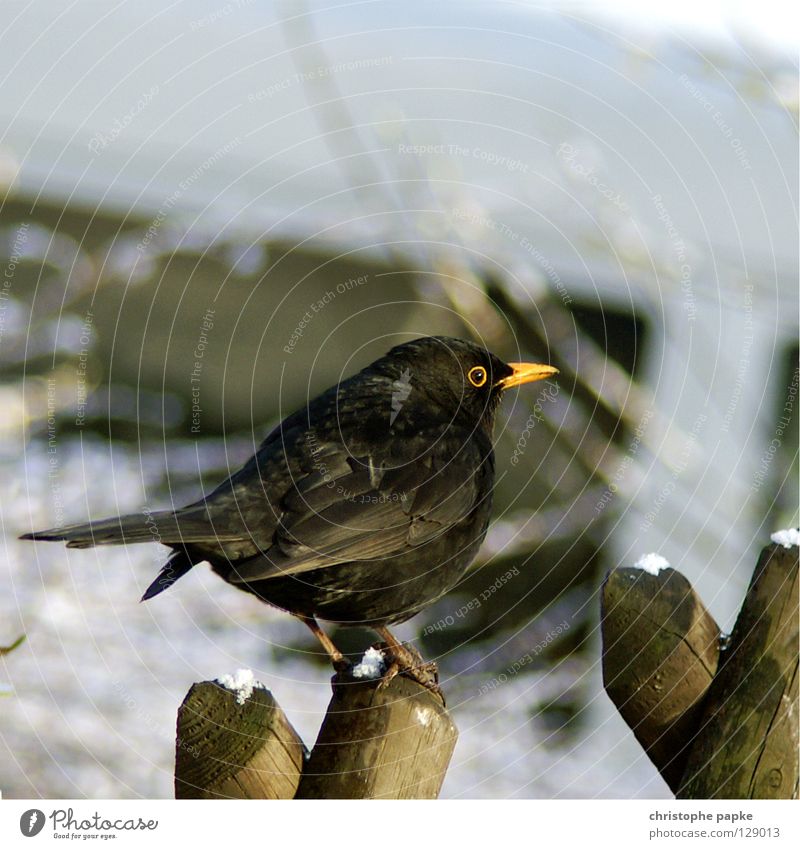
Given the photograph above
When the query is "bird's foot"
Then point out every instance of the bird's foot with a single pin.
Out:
(342, 666)
(404, 659)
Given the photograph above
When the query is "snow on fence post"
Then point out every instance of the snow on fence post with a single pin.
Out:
(716, 725)
(392, 742)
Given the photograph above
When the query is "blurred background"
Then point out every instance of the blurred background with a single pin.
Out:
(210, 211)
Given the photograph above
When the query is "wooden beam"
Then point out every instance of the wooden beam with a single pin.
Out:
(380, 743)
(660, 654)
(231, 750)
(747, 746)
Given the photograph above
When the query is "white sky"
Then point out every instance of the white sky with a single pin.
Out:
(772, 23)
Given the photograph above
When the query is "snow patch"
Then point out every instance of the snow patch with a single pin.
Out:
(425, 716)
(371, 665)
(651, 563)
(242, 683)
(787, 538)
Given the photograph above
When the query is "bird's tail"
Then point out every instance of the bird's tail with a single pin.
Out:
(176, 529)
(165, 526)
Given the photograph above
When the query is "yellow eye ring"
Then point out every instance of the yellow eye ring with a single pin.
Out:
(477, 376)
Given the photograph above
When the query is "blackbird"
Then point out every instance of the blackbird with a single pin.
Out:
(362, 508)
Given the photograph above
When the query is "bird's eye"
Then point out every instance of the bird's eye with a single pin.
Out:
(477, 376)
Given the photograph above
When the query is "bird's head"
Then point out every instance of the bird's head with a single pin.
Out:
(453, 379)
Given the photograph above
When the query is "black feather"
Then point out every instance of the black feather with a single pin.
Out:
(176, 567)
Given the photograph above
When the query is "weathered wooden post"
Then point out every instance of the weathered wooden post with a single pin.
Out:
(724, 729)
(388, 742)
(660, 654)
(235, 744)
(747, 745)
(380, 743)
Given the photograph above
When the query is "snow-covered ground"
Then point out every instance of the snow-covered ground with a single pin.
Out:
(97, 683)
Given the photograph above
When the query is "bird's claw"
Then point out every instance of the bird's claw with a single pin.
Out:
(409, 662)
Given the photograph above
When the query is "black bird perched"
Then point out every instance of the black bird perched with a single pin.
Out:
(362, 508)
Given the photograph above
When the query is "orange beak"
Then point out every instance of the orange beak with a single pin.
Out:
(526, 373)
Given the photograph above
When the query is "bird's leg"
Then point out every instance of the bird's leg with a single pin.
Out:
(407, 660)
(339, 661)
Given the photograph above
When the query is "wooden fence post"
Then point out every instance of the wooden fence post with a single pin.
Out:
(380, 743)
(232, 748)
(392, 742)
(726, 730)
(747, 745)
(660, 654)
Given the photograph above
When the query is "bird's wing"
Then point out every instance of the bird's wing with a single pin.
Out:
(357, 509)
